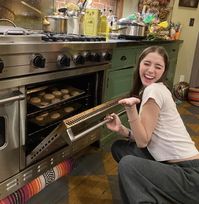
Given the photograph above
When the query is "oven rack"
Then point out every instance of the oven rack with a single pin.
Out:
(34, 111)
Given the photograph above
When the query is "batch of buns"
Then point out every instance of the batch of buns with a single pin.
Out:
(50, 116)
(51, 96)
(44, 98)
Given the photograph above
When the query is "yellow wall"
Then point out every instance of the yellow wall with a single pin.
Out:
(188, 35)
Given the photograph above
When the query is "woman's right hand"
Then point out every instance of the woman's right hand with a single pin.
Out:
(114, 122)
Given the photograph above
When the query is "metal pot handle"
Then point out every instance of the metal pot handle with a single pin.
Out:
(122, 28)
(5, 19)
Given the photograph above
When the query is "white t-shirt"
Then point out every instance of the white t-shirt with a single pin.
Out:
(170, 139)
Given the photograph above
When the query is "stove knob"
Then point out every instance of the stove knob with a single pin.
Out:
(95, 57)
(1, 65)
(38, 61)
(107, 56)
(63, 60)
(78, 59)
(87, 56)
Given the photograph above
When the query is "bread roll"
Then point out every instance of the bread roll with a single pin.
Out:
(68, 109)
(44, 114)
(41, 93)
(57, 93)
(35, 100)
(65, 91)
(74, 93)
(55, 115)
(44, 103)
(49, 97)
(56, 100)
(66, 96)
(39, 118)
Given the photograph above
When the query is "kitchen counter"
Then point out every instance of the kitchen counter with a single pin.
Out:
(123, 42)
(16, 44)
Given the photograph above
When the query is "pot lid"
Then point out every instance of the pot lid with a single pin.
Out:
(10, 30)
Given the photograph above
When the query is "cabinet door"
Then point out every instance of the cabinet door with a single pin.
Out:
(171, 72)
(119, 82)
(123, 57)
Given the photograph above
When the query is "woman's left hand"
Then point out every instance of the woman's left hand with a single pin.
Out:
(128, 102)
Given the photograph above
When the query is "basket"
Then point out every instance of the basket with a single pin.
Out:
(193, 96)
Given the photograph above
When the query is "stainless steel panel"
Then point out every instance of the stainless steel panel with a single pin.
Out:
(34, 47)
(9, 151)
(33, 171)
(27, 80)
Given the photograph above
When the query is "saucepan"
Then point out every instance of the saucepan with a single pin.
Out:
(131, 29)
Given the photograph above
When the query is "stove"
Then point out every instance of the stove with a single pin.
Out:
(37, 65)
(37, 53)
(50, 37)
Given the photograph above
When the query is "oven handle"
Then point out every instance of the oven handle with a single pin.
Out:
(80, 135)
(17, 97)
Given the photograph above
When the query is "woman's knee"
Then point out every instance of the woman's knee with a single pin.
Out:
(130, 163)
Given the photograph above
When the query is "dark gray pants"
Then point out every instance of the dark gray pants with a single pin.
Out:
(144, 180)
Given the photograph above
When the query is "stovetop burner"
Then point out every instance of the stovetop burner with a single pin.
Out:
(50, 37)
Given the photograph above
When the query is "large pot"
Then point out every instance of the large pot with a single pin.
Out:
(55, 24)
(132, 29)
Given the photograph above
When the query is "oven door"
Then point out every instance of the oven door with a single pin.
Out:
(77, 131)
(9, 132)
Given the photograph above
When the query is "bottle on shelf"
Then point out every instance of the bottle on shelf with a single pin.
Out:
(103, 23)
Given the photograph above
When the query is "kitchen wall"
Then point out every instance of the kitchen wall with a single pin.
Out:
(188, 35)
(100, 4)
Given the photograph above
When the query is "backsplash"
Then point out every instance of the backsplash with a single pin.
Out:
(100, 4)
(24, 16)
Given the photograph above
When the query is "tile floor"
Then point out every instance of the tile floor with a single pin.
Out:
(94, 178)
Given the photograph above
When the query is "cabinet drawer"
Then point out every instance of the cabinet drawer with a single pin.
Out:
(123, 57)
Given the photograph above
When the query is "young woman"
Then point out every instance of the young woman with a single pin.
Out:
(159, 163)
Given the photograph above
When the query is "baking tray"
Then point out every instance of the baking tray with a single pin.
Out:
(45, 98)
(51, 116)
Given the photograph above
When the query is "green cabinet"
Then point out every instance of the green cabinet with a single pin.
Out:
(118, 83)
(119, 79)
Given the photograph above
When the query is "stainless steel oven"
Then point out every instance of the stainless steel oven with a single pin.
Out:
(51, 104)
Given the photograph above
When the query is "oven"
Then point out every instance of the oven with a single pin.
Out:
(51, 103)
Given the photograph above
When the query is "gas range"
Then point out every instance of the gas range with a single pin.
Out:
(40, 53)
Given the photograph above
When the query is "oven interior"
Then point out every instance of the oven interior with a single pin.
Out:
(49, 103)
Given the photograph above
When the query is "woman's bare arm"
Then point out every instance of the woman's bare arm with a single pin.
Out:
(143, 125)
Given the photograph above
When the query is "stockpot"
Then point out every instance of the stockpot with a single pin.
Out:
(55, 24)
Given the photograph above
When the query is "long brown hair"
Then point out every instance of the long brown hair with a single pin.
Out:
(137, 84)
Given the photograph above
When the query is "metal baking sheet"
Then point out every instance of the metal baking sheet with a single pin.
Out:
(46, 117)
(45, 103)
